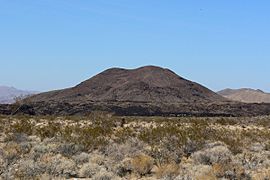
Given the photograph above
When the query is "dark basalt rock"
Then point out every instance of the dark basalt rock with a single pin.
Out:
(140, 109)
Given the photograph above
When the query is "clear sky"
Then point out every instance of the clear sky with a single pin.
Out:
(51, 44)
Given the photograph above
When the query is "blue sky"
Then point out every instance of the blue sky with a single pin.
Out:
(52, 44)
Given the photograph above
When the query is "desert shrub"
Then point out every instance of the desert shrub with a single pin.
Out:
(232, 139)
(265, 122)
(22, 126)
(45, 159)
(167, 171)
(256, 147)
(17, 137)
(60, 166)
(100, 116)
(49, 131)
(91, 138)
(38, 151)
(226, 121)
(255, 135)
(119, 151)
(198, 133)
(215, 154)
(191, 146)
(254, 160)
(97, 158)
(124, 167)
(11, 152)
(124, 134)
(170, 142)
(28, 169)
(34, 139)
(2, 164)
(168, 150)
(142, 164)
(263, 174)
(81, 158)
(69, 149)
(267, 146)
(25, 147)
(155, 135)
(104, 175)
(196, 172)
(45, 176)
(88, 170)
(229, 171)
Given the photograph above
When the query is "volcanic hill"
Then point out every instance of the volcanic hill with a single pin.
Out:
(145, 84)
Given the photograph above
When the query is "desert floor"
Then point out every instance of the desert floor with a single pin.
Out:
(102, 146)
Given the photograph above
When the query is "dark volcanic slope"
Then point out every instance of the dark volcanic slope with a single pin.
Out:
(145, 84)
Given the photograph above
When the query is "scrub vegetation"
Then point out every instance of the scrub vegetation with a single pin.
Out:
(103, 146)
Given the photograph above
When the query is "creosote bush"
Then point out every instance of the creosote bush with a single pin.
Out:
(49, 131)
(23, 126)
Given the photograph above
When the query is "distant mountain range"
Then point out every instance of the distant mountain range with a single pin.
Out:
(246, 95)
(8, 94)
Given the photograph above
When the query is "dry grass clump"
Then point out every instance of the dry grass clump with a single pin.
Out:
(69, 149)
(124, 168)
(60, 166)
(267, 146)
(28, 168)
(88, 170)
(2, 164)
(142, 164)
(262, 174)
(169, 142)
(49, 131)
(197, 172)
(226, 121)
(212, 154)
(167, 171)
(11, 152)
(97, 158)
(229, 171)
(118, 152)
(22, 126)
(81, 158)
(254, 160)
(104, 175)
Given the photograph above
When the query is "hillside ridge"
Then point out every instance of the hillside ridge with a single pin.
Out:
(246, 95)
